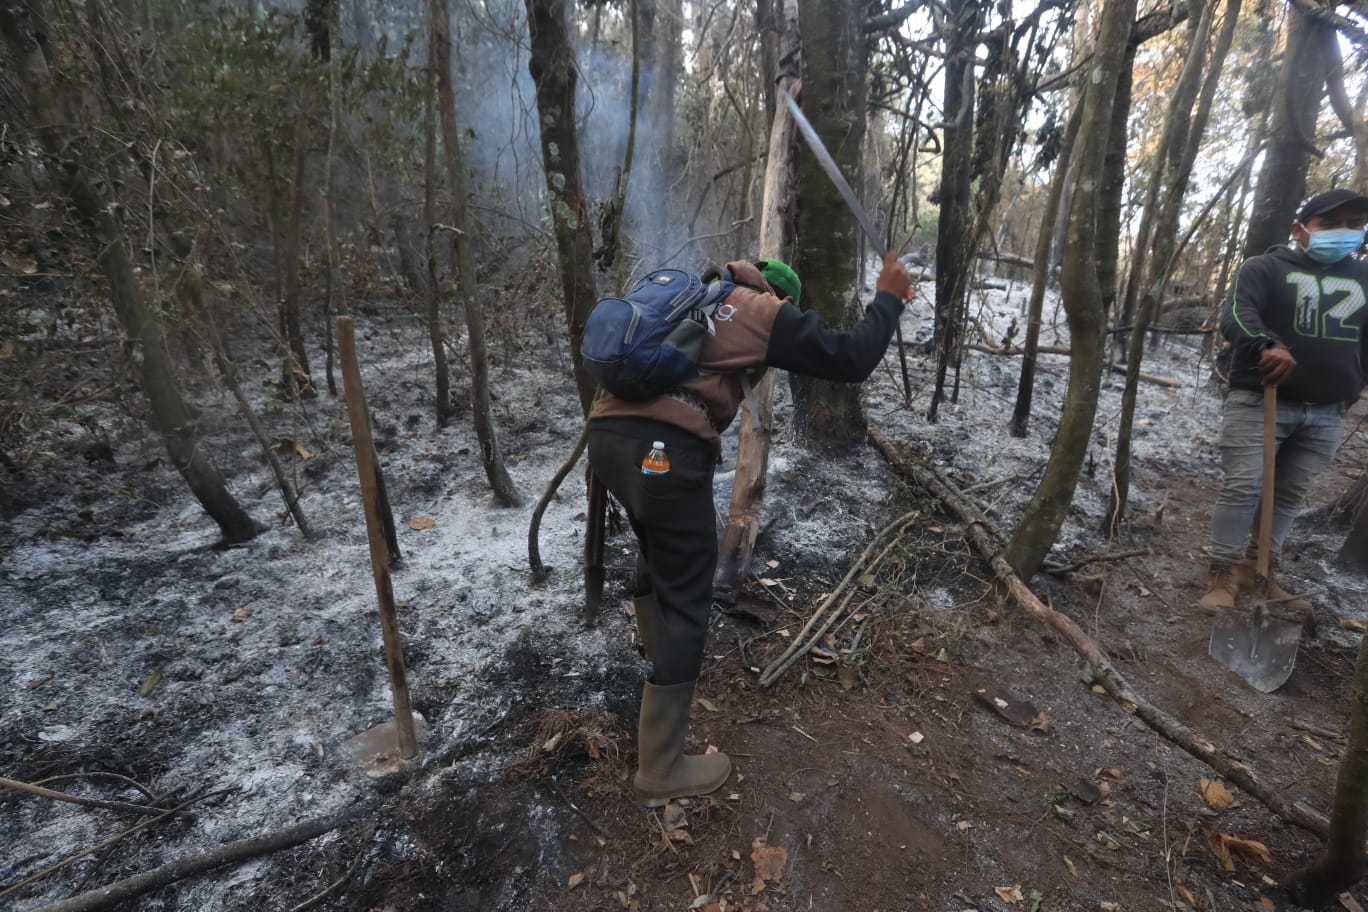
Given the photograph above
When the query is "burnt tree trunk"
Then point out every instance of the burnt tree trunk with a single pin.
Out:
(436, 331)
(552, 66)
(467, 288)
(954, 251)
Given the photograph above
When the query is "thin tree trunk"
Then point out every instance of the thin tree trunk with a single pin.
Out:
(481, 409)
(190, 287)
(954, 254)
(334, 301)
(1021, 413)
(295, 377)
(436, 329)
(1082, 296)
(554, 75)
(54, 111)
(1175, 156)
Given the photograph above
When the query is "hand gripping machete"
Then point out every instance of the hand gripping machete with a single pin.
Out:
(828, 164)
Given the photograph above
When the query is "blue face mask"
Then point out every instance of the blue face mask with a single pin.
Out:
(1334, 244)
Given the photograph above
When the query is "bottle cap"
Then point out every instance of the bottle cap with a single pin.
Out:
(658, 445)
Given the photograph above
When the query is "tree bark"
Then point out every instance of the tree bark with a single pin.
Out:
(55, 111)
(1082, 297)
(436, 329)
(1282, 181)
(481, 409)
(954, 251)
(828, 415)
(1021, 411)
(553, 70)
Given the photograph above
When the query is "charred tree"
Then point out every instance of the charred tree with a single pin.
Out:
(1021, 412)
(435, 326)
(54, 108)
(467, 288)
(1082, 297)
(954, 248)
(552, 66)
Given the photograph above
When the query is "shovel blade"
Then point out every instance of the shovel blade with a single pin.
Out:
(1256, 646)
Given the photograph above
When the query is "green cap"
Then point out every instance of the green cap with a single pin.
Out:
(782, 278)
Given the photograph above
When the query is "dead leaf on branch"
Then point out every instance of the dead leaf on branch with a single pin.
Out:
(1224, 847)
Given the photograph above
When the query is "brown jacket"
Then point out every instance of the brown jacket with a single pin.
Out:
(742, 326)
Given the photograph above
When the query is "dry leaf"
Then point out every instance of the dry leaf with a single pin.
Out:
(1216, 794)
(707, 704)
(1349, 903)
(575, 880)
(916, 737)
(1249, 848)
(242, 613)
(1098, 689)
(419, 523)
(1068, 863)
(1041, 723)
(1218, 848)
(1010, 894)
(769, 864)
(1187, 894)
(1267, 904)
(151, 683)
(1351, 624)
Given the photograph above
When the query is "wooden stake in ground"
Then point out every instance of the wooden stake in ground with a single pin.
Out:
(379, 551)
(752, 456)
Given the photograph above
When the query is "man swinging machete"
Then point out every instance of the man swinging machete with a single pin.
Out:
(669, 503)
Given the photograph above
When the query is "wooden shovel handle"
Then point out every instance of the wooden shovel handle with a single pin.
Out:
(1270, 453)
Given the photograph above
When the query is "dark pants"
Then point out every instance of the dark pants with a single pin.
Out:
(676, 527)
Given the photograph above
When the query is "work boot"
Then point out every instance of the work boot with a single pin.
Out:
(1222, 587)
(647, 624)
(664, 771)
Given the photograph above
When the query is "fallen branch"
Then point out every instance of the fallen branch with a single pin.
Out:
(76, 799)
(70, 859)
(1057, 350)
(243, 849)
(1061, 569)
(813, 631)
(978, 531)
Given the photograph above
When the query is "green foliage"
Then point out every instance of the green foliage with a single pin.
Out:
(246, 83)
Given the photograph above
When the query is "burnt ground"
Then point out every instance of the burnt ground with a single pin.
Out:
(869, 777)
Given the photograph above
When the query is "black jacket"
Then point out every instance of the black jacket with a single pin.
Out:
(1317, 312)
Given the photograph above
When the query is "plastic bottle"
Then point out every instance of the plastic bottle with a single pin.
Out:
(657, 462)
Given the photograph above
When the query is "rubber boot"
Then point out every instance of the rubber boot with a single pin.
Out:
(1222, 587)
(647, 623)
(664, 771)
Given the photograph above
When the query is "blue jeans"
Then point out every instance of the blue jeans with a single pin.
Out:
(1307, 437)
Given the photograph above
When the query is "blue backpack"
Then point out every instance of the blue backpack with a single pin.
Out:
(647, 343)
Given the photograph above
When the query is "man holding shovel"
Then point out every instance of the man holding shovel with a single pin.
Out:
(1295, 319)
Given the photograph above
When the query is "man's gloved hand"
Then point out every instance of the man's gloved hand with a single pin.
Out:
(893, 278)
(1276, 365)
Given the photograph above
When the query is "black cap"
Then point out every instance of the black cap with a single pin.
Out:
(1329, 201)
